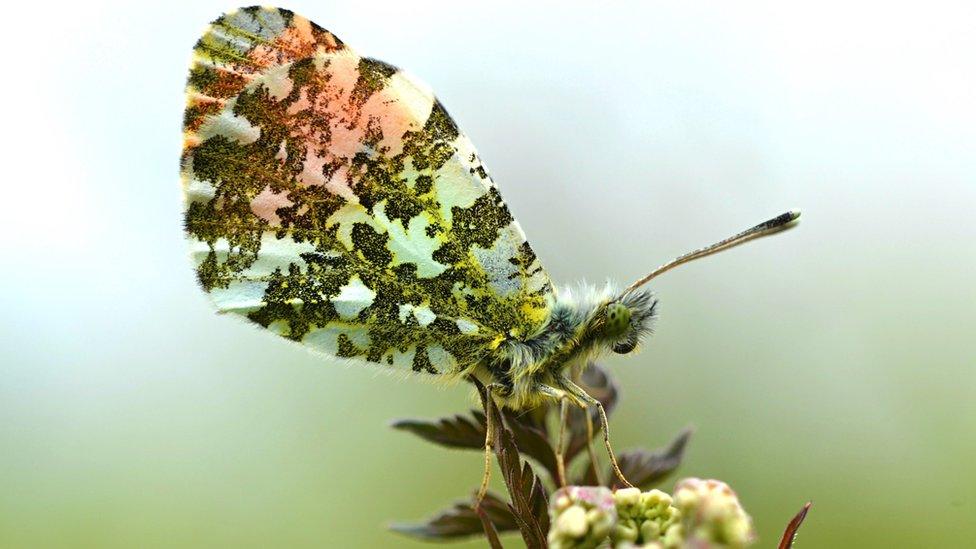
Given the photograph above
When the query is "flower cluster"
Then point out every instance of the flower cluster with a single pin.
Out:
(646, 519)
(703, 513)
(582, 517)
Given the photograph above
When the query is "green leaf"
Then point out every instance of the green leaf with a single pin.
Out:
(462, 521)
(454, 432)
(789, 536)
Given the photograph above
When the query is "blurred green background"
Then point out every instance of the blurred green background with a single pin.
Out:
(832, 363)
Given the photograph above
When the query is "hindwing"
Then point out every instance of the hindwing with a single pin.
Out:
(331, 199)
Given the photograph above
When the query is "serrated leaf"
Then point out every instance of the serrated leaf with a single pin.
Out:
(489, 528)
(643, 468)
(529, 504)
(789, 536)
(462, 521)
(454, 432)
(532, 441)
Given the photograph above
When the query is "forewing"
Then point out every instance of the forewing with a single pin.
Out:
(331, 199)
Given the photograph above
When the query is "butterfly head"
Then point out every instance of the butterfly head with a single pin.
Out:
(624, 321)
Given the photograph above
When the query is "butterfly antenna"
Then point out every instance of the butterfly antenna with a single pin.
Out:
(779, 223)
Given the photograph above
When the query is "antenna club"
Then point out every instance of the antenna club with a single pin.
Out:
(781, 220)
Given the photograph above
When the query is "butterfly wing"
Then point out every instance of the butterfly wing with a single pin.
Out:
(331, 199)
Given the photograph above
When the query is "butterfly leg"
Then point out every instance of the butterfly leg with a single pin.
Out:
(578, 392)
(561, 442)
(490, 407)
(589, 448)
(564, 399)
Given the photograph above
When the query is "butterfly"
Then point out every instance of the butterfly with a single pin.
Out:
(331, 199)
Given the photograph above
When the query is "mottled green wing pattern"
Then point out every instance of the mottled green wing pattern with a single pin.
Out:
(332, 200)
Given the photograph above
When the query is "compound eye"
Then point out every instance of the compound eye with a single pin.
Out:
(624, 348)
(618, 320)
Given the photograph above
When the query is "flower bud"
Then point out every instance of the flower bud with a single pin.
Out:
(582, 517)
(644, 518)
(711, 513)
(627, 496)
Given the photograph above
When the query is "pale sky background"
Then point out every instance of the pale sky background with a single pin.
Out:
(834, 363)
